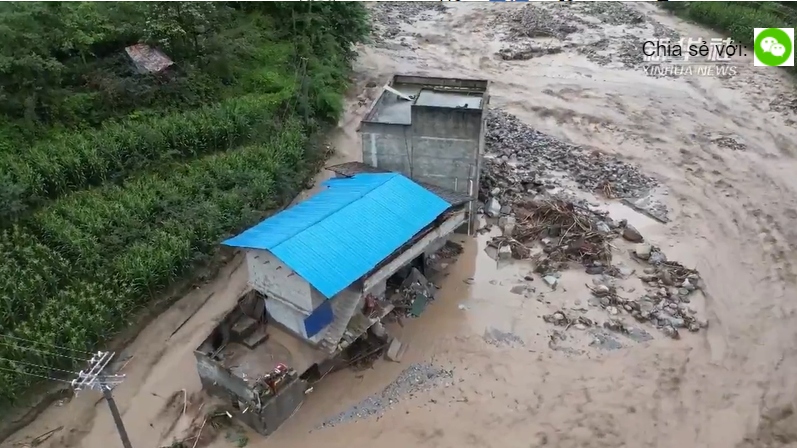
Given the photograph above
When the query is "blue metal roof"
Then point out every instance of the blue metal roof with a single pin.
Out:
(344, 231)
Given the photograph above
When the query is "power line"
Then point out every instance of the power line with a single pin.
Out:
(34, 375)
(43, 352)
(23, 363)
(17, 338)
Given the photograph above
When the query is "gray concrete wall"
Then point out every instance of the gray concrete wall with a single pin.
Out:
(220, 382)
(445, 146)
(281, 407)
(442, 147)
(387, 146)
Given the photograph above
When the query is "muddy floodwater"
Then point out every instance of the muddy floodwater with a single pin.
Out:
(483, 368)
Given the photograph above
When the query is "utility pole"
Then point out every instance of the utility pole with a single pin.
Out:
(93, 379)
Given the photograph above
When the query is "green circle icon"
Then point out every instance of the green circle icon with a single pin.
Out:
(773, 47)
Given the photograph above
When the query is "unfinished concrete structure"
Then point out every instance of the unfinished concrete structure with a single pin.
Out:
(437, 137)
(239, 352)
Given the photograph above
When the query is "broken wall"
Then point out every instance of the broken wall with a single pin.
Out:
(219, 381)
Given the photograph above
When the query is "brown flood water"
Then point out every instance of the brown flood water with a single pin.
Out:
(733, 218)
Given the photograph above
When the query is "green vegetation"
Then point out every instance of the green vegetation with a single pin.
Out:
(738, 19)
(114, 184)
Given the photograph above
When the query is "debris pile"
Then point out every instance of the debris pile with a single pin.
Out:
(417, 378)
(450, 250)
(562, 319)
(568, 232)
(612, 13)
(390, 16)
(784, 104)
(525, 51)
(520, 154)
(730, 143)
(413, 295)
(533, 21)
(666, 303)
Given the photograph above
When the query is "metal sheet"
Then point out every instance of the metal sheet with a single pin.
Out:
(340, 234)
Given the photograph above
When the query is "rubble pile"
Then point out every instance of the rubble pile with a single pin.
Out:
(612, 13)
(666, 303)
(413, 295)
(539, 21)
(561, 318)
(784, 104)
(568, 232)
(518, 154)
(389, 17)
(525, 51)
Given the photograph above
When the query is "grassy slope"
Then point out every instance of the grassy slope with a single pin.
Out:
(96, 222)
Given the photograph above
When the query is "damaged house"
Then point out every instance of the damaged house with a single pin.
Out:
(318, 273)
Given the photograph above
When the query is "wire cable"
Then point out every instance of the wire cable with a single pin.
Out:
(43, 352)
(34, 375)
(17, 338)
(23, 363)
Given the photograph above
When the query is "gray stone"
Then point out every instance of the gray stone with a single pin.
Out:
(601, 291)
(395, 350)
(657, 257)
(677, 322)
(631, 234)
(595, 270)
(625, 272)
(507, 225)
(551, 281)
(518, 289)
(493, 208)
(603, 227)
(495, 191)
(643, 251)
(505, 252)
(506, 209)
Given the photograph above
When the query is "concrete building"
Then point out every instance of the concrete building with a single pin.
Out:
(437, 137)
(318, 274)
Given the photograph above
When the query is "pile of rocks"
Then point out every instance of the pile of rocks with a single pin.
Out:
(388, 17)
(613, 13)
(533, 21)
(416, 378)
(518, 154)
(784, 104)
(525, 51)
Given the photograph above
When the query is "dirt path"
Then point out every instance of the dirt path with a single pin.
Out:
(732, 210)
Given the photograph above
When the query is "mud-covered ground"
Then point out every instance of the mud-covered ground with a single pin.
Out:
(488, 362)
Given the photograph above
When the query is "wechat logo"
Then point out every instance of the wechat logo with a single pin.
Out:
(774, 47)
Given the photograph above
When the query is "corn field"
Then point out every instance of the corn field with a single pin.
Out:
(138, 237)
(74, 161)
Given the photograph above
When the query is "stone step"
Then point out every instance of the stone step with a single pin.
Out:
(243, 328)
(259, 336)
